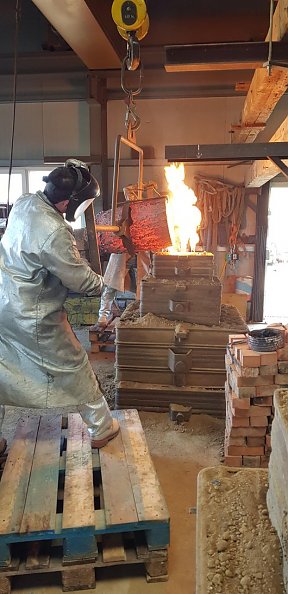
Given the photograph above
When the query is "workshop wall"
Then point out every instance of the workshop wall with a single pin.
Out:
(41, 129)
(177, 121)
(191, 121)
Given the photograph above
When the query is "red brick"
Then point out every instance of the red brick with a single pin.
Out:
(246, 391)
(245, 451)
(246, 382)
(237, 441)
(255, 441)
(236, 338)
(281, 379)
(264, 461)
(259, 421)
(248, 431)
(233, 460)
(259, 411)
(282, 367)
(249, 358)
(240, 413)
(243, 403)
(268, 358)
(251, 461)
(282, 354)
(268, 440)
(268, 369)
(265, 390)
(240, 422)
(246, 371)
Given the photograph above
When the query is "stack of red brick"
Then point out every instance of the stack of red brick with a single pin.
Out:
(252, 378)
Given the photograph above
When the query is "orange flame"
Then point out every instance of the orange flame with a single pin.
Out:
(183, 216)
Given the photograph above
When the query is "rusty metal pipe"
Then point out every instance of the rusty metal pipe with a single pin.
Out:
(121, 140)
(111, 228)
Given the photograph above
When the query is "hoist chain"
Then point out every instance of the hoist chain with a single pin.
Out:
(132, 119)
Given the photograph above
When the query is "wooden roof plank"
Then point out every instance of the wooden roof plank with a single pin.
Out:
(265, 91)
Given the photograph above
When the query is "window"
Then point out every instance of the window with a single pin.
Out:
(16, 187)
(35, 181)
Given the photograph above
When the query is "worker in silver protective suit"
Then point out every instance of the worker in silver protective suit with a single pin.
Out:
(42, 364)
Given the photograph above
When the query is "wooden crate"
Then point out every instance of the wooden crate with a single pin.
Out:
(183, 266)
(197, 301)
(65, 508)
(205, 400)
(174, 354)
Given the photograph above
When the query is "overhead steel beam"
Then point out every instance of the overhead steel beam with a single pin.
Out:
(80, 29)
(222, 56)
(281, 166)
(226, 152)
(261, 172)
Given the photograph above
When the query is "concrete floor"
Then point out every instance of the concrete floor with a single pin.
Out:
(178, 455)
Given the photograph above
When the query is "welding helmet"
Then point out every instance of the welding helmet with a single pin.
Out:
(72, 182)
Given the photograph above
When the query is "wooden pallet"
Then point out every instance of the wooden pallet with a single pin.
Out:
(65, 508)
(103, 340)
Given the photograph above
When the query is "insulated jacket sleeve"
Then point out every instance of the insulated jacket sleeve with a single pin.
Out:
(60, 256)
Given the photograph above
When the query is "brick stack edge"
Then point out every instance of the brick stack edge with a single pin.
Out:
(252, 378)
(277, 496)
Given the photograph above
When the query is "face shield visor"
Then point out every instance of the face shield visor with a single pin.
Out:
(81, 208)
(85, 191)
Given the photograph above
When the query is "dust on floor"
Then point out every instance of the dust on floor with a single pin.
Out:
(239, 551)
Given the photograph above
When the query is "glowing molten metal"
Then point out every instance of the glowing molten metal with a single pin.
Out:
(183, 216)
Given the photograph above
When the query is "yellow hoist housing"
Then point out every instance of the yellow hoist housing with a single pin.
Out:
(131, 17)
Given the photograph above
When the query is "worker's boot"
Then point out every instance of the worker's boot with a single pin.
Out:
(101, 425)
(3, 442)
(105, 315)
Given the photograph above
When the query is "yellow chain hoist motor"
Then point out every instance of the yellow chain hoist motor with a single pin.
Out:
(129, 15)
(132, 21)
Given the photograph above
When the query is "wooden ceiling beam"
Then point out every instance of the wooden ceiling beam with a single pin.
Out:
(263, 171)
(75, 22)
(265, 91)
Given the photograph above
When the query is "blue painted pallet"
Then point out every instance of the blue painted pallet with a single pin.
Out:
(113, 491)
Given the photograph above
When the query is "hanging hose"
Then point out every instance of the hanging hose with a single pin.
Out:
(16, 35)
(219, 201)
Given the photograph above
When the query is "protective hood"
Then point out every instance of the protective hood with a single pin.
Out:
(72, 182)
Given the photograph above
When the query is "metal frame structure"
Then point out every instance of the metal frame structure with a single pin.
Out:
(227, 152)
(195, 153)
(121, 228)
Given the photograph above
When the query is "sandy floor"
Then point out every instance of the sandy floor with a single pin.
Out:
(179, 452)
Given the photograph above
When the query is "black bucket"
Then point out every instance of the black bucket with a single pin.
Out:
(266, 340)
